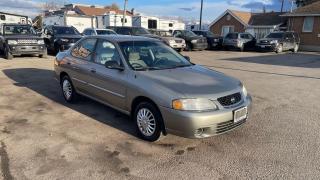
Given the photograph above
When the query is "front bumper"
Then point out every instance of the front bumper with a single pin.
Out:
(199, 46)
(187, 124)
(267, 47)
(27, 49)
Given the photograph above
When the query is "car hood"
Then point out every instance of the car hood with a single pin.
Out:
(67, 36)
(192, 82)
(268, 39)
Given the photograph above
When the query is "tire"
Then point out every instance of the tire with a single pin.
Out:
(68, 91)
(279, 49)
(188, 47)
(296, 48)
(146, 113)
(7, 54)
(180, 50)
(44, 55)
(242, 48)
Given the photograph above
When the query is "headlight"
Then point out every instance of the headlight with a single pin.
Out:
(12, 42)
(194, 41)
(274, 42)
(41, 41)
(216, 40)
(244, 91)
(194, 105)
(64, 40)
(172, 41)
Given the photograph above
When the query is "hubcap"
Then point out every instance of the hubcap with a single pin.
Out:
(146, 122)
(67, 89)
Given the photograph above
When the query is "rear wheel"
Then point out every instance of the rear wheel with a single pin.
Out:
(69, 93)
(148, 121)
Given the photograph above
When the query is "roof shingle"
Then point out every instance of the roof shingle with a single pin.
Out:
(94, 11)
(311, 9)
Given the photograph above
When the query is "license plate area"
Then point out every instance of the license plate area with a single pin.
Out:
(240, 114)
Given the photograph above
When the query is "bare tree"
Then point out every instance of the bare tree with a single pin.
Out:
(53, 4)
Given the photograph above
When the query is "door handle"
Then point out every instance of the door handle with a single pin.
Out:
(93, 70)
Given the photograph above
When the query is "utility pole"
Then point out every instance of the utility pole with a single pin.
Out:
(282, 4)
(124, 12)
(201, 15)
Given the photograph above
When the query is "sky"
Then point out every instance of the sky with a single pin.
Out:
(187, 9)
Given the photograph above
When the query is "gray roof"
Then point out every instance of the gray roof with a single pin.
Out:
(267, 19)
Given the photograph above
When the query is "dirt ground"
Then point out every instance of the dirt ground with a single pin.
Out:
(42, 137)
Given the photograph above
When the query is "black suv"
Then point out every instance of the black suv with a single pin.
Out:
(60, 38)
(214, 41)
(20, 39)
(193, 41)
(279, 42)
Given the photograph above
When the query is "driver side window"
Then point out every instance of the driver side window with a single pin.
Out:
(106, 51)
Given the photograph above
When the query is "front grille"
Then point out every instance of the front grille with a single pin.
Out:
(27, 41)
(201, 41)
(227, 126)
(178, 41)
(230, 100)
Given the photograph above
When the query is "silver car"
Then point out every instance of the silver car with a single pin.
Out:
(159, 88)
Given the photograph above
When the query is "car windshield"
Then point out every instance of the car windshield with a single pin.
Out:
(150, 55)
(65, 30)
(140, 31)
(210, 34)
(189, 33)
(18, 30)
(105, 32)
(164, 34)
(232, 36)
(275, 35)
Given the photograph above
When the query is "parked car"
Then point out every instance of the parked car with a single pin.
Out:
(193, 41)
(176, 43)
(161, 89)
(214, 41)
(60, 38)
(20, 39)
(279, 42)
(133, 31)
(94, 32)
(241, 41)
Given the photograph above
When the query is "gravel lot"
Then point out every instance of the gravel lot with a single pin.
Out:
(42, 137)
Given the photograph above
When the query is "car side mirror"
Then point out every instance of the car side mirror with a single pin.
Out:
(113, 65)
(187, 58)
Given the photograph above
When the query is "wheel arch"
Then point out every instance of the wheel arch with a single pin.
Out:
(136, 101)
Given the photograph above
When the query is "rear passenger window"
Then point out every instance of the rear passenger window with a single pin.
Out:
(84, 49)
(106, 51)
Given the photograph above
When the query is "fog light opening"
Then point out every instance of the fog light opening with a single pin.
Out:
(199, 132)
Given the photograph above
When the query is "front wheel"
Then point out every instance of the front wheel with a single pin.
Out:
(148, 121)
(188, 47)
(279, 49)
(7, 54)
(69, 93)
(296, 48)
(44, 55)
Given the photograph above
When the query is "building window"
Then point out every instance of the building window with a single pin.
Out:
(3, 17)
(125, 20)
(170, 25)
(226, 30)
(228, 17)
(308, 24)
(152, 24)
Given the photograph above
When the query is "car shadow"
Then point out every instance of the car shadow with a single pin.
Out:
(285, 59)
(42, 81)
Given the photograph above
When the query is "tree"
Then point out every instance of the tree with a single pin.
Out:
(53, 4)
(301, 3)
(114, 6)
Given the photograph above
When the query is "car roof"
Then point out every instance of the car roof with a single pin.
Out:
(123, 38)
